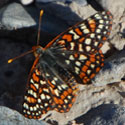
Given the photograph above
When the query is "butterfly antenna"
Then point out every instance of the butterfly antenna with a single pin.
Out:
(11, 60)
(38, 40)
(40, 19)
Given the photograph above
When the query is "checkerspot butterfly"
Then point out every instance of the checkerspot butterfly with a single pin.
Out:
(72, 57)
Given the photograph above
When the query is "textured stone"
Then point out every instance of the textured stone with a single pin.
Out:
(108, 114)
(90, 97)
(113, 70)
(118, 10)
(12, 117)
(26, 2)
(80, 2)
(18, 19)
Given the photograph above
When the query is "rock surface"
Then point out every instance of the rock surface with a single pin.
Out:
(12, 117)
(18, 34)
(26, 2)
(104, 115)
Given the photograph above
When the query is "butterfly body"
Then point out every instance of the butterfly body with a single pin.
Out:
(72, 57)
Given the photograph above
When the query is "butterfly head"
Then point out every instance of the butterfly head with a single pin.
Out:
(38, 50)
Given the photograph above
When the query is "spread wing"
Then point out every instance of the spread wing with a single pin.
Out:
(48, 89)
(78, 49)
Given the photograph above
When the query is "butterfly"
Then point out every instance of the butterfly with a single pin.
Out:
(72, 57)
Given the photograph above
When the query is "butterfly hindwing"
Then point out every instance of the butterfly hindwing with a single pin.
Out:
(48, 90)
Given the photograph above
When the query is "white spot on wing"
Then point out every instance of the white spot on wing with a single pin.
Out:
(53, 82)
(25, 97)
(47, 74)
(88, 72)
(101, 21)
(47, 96)
(36, 85)
(39, 100)
(98, 16)
(98, 31)
(59, 87)
(95, 43)
(77, 70)
(56, 92)
(100, 26)
(28, 112)
(82, 57)
(31, 80)
(63, 54)
(41, 106)
(25, 105)
(78, 63)
(69, 97)
(88, 48)
(106, 27)
(45, 90)
(83, 26)
(75, 36)
(35, 95)
(88, 41)
(39, 112)
(92, 65)
(71, 57)
(31, 108)
(104, 32)
(46, 104)
(24, 111)
(67, 62)
(86, 31)
(105, 17)
(92, 35)
(99, 36)
(37, 105)
(30, 91)
(42, 82)
(65, 100)
(42, 96)
(72, 45)
(64, 86)
(80, 48)
(55, 78)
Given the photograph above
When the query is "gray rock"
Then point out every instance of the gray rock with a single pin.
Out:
(25, 17)
(104, 115)
(80, 2)
(18, 19)
(12, 117)
(117, 9)
(113, 70)
(89, 98)
(26, 2)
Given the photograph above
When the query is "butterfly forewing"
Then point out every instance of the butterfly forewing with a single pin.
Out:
(87, 36)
